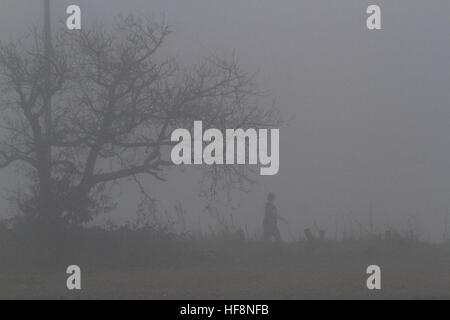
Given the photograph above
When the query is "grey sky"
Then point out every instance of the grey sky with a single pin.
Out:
(372, 113)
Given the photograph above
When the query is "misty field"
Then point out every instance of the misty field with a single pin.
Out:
(128, 265)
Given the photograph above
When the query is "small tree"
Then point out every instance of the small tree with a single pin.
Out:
(115, 101)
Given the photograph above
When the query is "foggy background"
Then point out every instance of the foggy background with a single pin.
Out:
(371, 108)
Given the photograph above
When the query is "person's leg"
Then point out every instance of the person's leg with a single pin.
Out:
(266, 234)
(276, 234)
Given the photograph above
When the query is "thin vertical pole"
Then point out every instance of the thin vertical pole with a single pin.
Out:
(47, 57)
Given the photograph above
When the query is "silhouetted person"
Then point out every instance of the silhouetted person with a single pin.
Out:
(271, 218)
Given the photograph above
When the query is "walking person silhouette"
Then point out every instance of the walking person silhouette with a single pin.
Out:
(271, 217)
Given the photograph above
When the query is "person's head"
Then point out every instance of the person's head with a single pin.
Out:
(271, 197)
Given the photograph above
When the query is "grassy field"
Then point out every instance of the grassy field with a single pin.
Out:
(218, 269)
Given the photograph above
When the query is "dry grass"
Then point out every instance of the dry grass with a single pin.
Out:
(217, 269)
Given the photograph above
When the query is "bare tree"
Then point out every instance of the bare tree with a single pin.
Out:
(115, 101)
